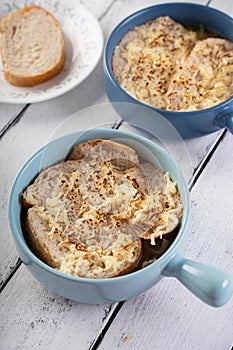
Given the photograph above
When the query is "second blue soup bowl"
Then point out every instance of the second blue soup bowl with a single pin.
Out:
(188, 124)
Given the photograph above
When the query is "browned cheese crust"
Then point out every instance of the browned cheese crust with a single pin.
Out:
(165, 65)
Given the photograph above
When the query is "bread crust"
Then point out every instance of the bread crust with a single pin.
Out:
(36, 237)
(121, 155)
(31, 80)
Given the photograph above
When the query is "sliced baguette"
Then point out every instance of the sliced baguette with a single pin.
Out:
(32, 46)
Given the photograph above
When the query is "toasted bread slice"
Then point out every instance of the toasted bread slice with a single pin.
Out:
(87, 215)
(118, 60)
(70, 224)
(149, 178)
(105, 251)
(143, 196)
(43, 185)
(32, 46)
(161, 209)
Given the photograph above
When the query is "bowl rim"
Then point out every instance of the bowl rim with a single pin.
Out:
(19, 238)
(108, 68)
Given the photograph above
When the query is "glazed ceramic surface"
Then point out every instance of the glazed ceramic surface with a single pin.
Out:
(188, 124)
(209, 284)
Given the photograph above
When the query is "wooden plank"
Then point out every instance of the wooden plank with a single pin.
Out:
(7, 112)
(98, 8)
(34, 318)
(122, 9)
(225, 6)
(188, 153)
(168, 316)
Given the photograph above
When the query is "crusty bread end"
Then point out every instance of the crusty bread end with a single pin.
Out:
(121, 155)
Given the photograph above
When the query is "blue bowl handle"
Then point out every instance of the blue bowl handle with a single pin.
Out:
(225, 119)
(211, 285)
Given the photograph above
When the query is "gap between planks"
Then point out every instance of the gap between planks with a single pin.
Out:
(107, 10)
(13, 121)
(201, 166)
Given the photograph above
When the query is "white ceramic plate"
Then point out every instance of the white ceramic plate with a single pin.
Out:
(84, 46)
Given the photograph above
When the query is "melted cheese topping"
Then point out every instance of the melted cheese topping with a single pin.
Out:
(165, 66)
(205, 79)
(97, 213)
(151, 58)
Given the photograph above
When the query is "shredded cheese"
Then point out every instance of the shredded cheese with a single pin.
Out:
(167, 67)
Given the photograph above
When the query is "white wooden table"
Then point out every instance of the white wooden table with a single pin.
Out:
(165, 317)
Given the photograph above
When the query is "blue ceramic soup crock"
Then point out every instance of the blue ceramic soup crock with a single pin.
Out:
(188, 124)
(211, 285)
